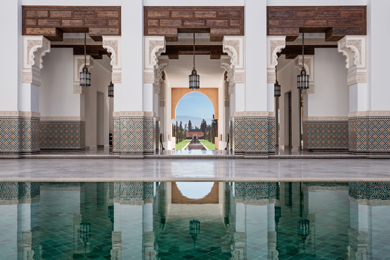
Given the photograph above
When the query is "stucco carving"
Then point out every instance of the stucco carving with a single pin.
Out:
(113, 44)
(275, 44)
(34, 48)
(154, 46)
(354, 48)
(309, 67)
(198, 41)
(163, 62)
(234, 64)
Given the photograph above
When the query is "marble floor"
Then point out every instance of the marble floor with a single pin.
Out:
(80, 170)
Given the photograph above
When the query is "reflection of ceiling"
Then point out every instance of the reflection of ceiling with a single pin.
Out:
(210, 71)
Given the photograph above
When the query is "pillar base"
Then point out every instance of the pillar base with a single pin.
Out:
(134, 135)
(369, 133)
(253, 135)
(19, 134)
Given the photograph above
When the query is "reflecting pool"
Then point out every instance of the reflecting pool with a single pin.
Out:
(221, 220)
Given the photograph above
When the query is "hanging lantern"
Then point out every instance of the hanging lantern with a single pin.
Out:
(85, 76)
(277, 87)
(194, 77)
(111, 90)
(303, 78)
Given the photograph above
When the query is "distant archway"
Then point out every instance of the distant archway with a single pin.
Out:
(179, 93)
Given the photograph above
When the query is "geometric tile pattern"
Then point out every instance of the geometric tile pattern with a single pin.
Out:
(8, 190)
(255, 190)
(19, 134)
(325, 135)
(149, 134)
(253, 134)
(29, 190)
(370, 190)
(62, 135)
(130, 191)
(134, 134)
(369, 134)
(157, 135)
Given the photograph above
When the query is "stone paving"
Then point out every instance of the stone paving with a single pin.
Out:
(195, 170)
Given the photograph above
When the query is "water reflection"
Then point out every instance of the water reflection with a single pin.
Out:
(241, 220)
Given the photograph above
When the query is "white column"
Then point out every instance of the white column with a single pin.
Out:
(131, 94)
(11, 44)
(256, 90)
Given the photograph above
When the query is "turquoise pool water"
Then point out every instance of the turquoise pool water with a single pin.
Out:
(168, 220)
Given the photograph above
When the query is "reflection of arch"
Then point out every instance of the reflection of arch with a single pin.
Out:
(179, 93)
(211, 198)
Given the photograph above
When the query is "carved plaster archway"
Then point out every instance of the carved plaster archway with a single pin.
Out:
(34, 48)
(234, 64)
(354, 48)
(275, 44)
(113, 44)
(154, 46)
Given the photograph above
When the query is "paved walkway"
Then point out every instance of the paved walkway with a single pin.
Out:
(194, 170)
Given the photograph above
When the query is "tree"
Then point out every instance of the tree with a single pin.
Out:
(189, 125)
(181, 132)
(185, 131)
(177, 130)
(203, 127)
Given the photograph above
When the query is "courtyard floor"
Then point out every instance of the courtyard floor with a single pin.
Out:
(80, 170)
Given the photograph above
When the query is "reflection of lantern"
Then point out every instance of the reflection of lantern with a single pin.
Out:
(194, 228)
(303, 228)
(85, 233)
(278, 215)
(111, 213)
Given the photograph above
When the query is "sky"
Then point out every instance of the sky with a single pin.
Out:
(195, 107)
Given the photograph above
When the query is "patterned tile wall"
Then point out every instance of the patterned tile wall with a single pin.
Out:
(253, 134)
(134, 134)
(19, 190)
(149, 134)
(19, 134)
(157, 135)
(370, 190)
(255, 190)
(322, 135)
(62, 135)
(369, 134)
(130, 191)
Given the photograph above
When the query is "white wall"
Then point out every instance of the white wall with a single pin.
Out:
(100, 80)
(287, 79)
(331, 96)
(56, 96)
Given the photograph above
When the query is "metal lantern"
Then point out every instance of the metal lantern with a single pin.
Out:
(303, 78)
(303, 228)
(277, 87)
(85, 76)
(111, 90)
(194, 77)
